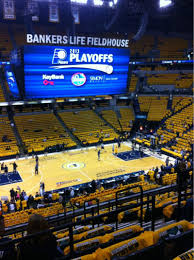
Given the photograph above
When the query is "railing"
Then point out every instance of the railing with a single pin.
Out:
(150, 194)
(67, 216)
(141, 202)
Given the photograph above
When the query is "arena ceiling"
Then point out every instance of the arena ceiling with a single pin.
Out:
(176, 18)
(125, 17)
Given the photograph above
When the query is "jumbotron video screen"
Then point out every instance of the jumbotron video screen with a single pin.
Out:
(55, 71)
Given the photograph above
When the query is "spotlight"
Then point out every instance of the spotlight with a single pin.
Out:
(79, 1)
(98, 2)
(165, 3)
(111, 4)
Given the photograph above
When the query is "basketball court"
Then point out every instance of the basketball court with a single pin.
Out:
(75, 167)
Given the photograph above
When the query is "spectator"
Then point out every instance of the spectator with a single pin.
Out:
(93, 184)
(37, 195)
(182, 173)
(11, 207)
(18, 189)
(72, 193)
(12, 194)
(26, 197)
(7, 252)
(60, 198)
(188, 210)
(17, 195)
(42, 188)
(40, 247)
(30, 201)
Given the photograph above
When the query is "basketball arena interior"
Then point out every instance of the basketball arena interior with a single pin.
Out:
(96, 129)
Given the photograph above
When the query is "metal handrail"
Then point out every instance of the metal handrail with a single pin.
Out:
(141, 202)
(96, 218)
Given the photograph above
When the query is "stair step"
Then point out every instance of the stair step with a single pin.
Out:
(73, 137)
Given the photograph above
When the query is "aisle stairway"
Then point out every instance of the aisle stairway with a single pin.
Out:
(73, 137)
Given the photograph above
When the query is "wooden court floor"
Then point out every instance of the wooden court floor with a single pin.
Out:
(75, 167)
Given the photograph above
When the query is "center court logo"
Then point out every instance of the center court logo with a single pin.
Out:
(73, 165)
(78, 79)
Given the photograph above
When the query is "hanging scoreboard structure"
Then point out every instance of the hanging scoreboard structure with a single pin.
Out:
(66, 70)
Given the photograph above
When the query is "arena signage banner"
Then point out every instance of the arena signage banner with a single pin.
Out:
(75, 13)
(76, 40)
(9, 9)
(33, 9)
(53, 12)
(53, 71)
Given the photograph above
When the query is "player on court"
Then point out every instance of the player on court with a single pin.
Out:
(99, 154)
(37, 164)
(116, 149)
(14, 167)
(113, 149)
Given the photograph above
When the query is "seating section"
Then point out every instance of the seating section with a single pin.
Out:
(142, 47)
(2, 98)
(177, 132)
(157, 109)
(19, 32)
(29, 109)
(144, 103)
(169, 179)
(111, 117)
(184, 81)
(126, 116)
(172, 48)
(187, 255)
(39, 131)
(130, 246)
(87, 126)
(5, 42)
(133, 83)
(20, 217)
(8, 142)
(180, 102)
(178, 80)
(111, 193)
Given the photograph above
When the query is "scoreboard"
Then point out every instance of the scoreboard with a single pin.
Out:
(73, 71)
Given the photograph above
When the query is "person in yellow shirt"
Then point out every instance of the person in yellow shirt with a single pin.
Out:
(24, 204)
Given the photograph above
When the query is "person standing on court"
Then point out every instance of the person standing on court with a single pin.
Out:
(113, 148)
(37, 164)
(14, 167)
(116, 149)
(99, 155)
(2, 166)
(5, 169)
(42, 188)
(36, 168)
(36, 158)
(167, 161)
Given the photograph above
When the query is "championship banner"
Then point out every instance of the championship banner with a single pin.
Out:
(33, 9)
(53, 12)
(9, 10)
(75, 13)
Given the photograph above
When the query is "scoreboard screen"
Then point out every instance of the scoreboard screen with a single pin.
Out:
(11, 81)
(53, 71)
